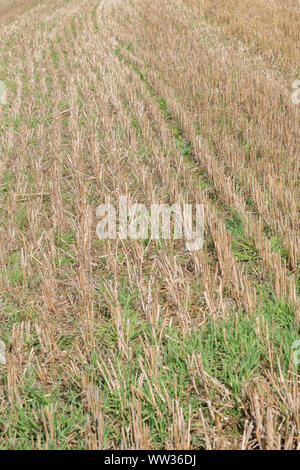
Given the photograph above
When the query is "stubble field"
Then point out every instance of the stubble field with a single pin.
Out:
(142, 344)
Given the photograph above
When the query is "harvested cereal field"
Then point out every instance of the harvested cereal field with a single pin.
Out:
(127, 342)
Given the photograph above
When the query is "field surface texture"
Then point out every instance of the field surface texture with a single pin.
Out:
(143, 344)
